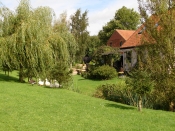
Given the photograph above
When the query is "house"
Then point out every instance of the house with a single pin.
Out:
(126, 40)
(119, 37)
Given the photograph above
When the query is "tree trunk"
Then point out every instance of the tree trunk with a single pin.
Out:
(21, 74)
(140, 104)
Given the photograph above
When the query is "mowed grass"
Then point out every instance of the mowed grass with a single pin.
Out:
(88, 87)
(24, 107)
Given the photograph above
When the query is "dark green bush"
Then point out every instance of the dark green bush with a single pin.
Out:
(124, 94)
(85, 75)
(113, 92)
(104, 72)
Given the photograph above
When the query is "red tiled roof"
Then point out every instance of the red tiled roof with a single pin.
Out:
(133, 40)
(125, 33)
(140, 36)
(119, 36)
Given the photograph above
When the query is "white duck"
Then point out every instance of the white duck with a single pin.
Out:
(47, 82)
(56, 83)
(40, 82)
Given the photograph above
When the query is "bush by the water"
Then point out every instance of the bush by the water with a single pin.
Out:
(104, 72)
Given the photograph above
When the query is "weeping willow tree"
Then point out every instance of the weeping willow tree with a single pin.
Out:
(157, 55)
(62, 27)
(7, 58)
(29, 39)
(29, 42)
(64, 48)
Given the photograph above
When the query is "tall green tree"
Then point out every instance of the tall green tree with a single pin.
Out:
(141, 83)
(62, 27)
(64, 49)
(125, 19)
(6, 50)
(93, 44)
(157, 53)
(27, 38)
(79, 23)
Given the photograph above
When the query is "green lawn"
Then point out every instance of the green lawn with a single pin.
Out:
(24, 107)
(88, 87)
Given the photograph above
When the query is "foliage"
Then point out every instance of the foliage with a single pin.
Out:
(33, 43)
(113, 92)
(106, 55)
(93, 43)
(103, 72)
(159, 50)
(126, 19)
(140, 81)
(79, 23)
(118, 92)
(62, 28)
(24, 36)
(60, 73)
(64, 48)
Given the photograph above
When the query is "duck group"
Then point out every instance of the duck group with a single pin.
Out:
(47, 83)
(40, 82)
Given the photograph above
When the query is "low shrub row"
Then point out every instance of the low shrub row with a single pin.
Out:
(115, 92)
(123, 94)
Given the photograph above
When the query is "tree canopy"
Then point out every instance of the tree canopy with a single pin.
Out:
(125, 19)
(32, 43)
(156, 56)
(106, 55)
(24, 38)
(79, 23)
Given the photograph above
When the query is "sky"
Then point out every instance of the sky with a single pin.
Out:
(99, 11)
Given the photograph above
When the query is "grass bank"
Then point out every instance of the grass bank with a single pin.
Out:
(24, 107)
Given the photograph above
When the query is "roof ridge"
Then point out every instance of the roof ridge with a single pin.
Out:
(126, 35)
(128, 40)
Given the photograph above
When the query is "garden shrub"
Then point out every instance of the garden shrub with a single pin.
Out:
(103, 72)
(125, 94)
(113, 92)
(85, 75)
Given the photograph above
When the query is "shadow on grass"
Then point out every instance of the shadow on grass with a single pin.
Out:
(48, 87)
(120, 106)
(90, 79)
(4, 77)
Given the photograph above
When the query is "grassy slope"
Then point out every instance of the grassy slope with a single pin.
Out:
(24, 107)
(88, 87)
